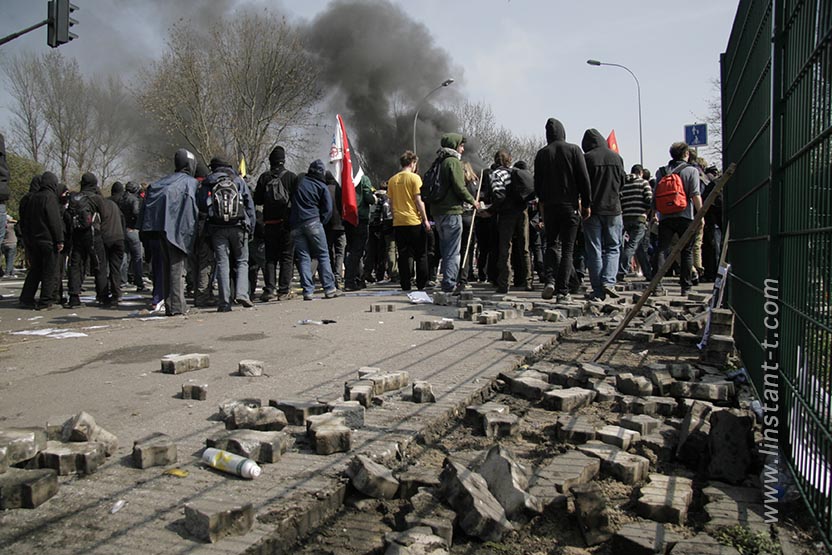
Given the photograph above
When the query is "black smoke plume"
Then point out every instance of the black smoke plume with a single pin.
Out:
(378, 65)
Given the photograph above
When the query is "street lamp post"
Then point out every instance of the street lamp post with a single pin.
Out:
(638, 89)
(444, 83)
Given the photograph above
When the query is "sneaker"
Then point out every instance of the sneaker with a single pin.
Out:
(332, 293)
(45, 306)
(245, 301)
(307, 297)
(266, 297)
(567, 298)
(549, 291)
(609, 291)
(285, 296)
(74, 301)
(224, 308)
(154, 308)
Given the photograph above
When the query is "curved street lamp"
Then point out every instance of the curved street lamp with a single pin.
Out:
(638, 89)
(444, 83)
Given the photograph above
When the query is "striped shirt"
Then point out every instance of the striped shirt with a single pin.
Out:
(636, 197)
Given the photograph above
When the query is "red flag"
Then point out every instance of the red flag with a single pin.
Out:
(612, 142)
(339, 155)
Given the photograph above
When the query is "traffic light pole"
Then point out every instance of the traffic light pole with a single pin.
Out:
(13, 36)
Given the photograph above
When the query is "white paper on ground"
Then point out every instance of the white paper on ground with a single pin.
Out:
(419, 297)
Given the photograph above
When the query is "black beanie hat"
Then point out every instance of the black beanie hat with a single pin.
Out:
(317, 169)
(118, 187)
(278, 156)
(202, 170)
(219, 162)
(88, 180)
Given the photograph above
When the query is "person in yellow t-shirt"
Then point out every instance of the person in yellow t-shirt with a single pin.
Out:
(410, 221)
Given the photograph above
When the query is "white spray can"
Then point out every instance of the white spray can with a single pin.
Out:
(231, 463)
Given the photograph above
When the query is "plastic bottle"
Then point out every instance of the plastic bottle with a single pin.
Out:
(310, 323)
(231, 463)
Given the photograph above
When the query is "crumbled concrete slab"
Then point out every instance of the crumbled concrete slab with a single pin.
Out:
(388, 381)
(261, 447)
(530, 388)
(589, 370)
(422, 392)
(561, 474)
(567, 400)
(382, 307)
(720, 344)
(414, 478)
(507, 336)
(623, 466)
(702, 544)
(508, 481)
(212, 520)
(638, 386)
(261, 418)
(498, 425)
(226, 408)
(55, 427)
(441, 298)
(157, 449)
(196, 392)
(361, 391)
(693, 437)
(683, 371)
(563, 375)
(427, 510)
(479, 514)
(27, 489)
(333, 437)
(591, 513)
(662, 380)
(365, 371)
(641, 423)
(352, 412)
(436, 325)
(297, 412)
(419, 540)
(474, 414)
(665, 499)
(574, 429)
(83, 427)
(618, 436)
(644, 538)
(488, 317)
(251, 368)
(371, 478)
(731, 445)
(712, 392)
(22, 444)
(662, 443)
(728, 505)
(179, 364)
(72, 458)
(605, 392)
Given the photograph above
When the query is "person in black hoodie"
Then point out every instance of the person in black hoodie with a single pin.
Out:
(336, 238)
(85, 209)
(130, 206)
(602, 230)
(561, 183)
(45, 239)
(112, 235)
(274, 191)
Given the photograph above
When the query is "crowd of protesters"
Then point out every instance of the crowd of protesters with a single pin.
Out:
(206, 232)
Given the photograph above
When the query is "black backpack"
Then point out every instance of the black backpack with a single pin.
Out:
(82, 210)
(431, 187)
(226, 201)
(278, 195)
(522, 185)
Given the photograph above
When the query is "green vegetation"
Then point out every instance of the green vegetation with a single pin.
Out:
(747, 542)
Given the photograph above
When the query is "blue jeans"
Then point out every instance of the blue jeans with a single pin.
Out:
(133, 248)
(602, 246)
(9, 251)
(310, 242)
(635, 246)
(231, 243)
(449, 228)
(2, 222)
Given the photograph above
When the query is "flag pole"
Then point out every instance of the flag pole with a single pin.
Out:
(473, 219)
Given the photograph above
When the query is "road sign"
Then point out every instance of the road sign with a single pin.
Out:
(696, 134)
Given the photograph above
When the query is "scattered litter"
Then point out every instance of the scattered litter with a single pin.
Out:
(44, 331)
(642, 353)
(369, 329)
(325, 321)
(67, 335)
(152, 318)
(94, 327)
(419, 297)
(178, 472)
(739, 376)
(33, 318)
(54, 333)
(231, 463)
(310, 323)
(117, 506)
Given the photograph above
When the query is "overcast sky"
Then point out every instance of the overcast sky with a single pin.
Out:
(526, 58)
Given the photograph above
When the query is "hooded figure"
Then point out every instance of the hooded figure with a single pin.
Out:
(357, 235)
(606, 174)
(116, 191)
(169, 213)
(34, 187)
(44, 240)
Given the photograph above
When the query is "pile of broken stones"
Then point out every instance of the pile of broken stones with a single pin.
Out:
(681, 417)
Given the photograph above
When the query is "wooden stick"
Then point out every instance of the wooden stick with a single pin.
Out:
(471, 231)
(657, 278)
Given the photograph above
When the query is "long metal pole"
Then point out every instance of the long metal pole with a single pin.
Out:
(416, 115)
(13, 36)
(638, 90)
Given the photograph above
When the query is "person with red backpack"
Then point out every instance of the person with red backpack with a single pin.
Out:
(677, 199)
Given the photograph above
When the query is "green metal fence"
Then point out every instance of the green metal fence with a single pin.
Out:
(777, 121)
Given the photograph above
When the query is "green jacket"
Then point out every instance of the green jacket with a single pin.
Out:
(451, 180)
(364, 197)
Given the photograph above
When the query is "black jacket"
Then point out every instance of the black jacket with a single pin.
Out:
(43, 214)
(606, 174)
(560, 175)
(130, 206)
(112, 222)
(335, 222)
(271, 212)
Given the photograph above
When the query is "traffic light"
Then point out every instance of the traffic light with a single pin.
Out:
(60, 20)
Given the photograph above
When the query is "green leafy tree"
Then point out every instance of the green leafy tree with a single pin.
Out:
(21, 172)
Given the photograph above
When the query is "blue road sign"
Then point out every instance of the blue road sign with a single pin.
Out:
(696, 134)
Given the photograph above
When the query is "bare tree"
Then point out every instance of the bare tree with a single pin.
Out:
(113, 127)
(232, 91)
(713, 117)
(28, 125)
